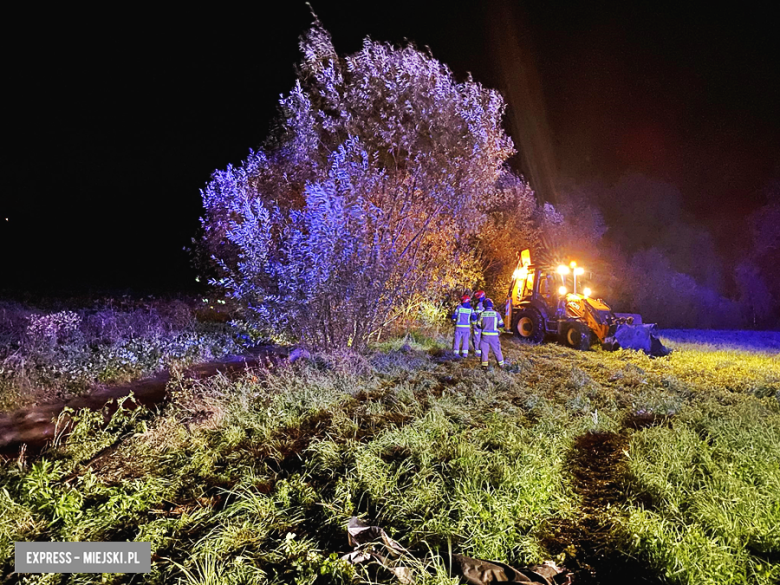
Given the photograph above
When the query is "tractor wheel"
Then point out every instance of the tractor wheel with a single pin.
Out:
(574, 336)
(529, 326)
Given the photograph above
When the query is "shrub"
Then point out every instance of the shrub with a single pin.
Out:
(49, 330)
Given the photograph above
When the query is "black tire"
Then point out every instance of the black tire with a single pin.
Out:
(576, 336)
(529, 326)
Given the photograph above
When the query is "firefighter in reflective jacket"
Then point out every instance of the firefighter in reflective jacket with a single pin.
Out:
(462, 320)
(489, 323)
(479, 306)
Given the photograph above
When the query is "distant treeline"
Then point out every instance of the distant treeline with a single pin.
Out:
(655, 259)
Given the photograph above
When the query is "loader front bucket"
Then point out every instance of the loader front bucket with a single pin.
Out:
(639, 337)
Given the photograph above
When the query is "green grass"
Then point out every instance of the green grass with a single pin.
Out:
(714, 479)
(253, 480)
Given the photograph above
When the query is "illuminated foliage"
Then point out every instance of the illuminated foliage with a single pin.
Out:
(513, 224)
(369, 193)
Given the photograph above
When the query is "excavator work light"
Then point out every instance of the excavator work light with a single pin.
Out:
(562, 290)
(587, 292)
(520, 273)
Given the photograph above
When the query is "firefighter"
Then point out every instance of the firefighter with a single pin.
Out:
(489, 323)
(462, 320)
(479, 306)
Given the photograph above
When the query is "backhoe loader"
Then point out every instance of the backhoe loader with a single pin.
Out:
(540, 305)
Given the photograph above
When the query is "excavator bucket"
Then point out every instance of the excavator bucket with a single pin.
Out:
(639, 337)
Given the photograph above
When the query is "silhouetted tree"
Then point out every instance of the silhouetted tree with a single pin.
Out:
(755, 297)
(757, 276)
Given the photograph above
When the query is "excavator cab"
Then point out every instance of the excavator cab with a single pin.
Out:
(547, 290)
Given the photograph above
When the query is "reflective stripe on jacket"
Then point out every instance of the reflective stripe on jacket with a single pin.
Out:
(462, 317)
(490, 322)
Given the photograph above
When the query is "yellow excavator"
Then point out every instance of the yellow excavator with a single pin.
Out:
(540, 305)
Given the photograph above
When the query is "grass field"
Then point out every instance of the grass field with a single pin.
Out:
(621, 467)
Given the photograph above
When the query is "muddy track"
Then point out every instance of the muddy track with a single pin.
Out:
(35, 427)
(597, 465)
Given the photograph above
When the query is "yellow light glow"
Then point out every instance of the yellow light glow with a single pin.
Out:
(562, 290)
(563, 269)
(573, 264)
(579, 271)
(587, 292)
(520, 273)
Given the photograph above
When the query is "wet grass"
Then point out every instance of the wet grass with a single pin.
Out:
(621, 467)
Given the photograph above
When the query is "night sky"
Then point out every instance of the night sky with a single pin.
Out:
(113, 122)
